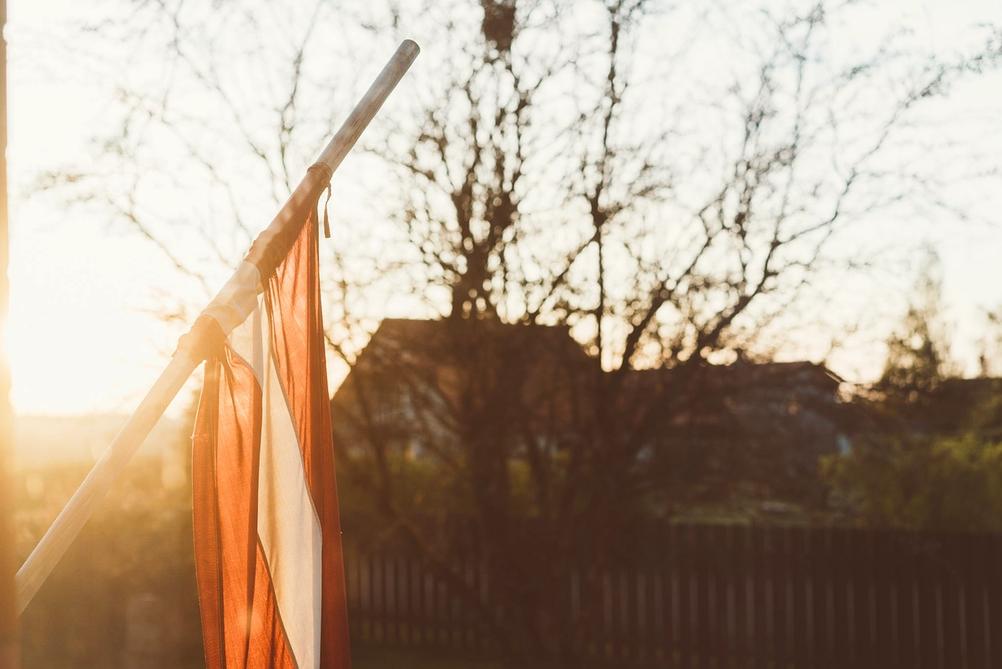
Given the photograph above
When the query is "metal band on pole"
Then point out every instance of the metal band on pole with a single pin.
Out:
(109, 467)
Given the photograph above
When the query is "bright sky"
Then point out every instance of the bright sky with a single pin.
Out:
(81, 337)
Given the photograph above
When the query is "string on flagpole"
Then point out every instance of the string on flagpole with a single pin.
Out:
(327, 174)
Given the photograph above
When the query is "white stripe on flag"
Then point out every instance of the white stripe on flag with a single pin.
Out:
(287, 523)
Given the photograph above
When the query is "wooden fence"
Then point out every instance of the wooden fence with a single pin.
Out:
(730, 596)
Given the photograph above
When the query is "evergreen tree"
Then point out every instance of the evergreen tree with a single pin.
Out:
(916, 351)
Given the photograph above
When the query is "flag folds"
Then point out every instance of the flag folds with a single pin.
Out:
(267, 532)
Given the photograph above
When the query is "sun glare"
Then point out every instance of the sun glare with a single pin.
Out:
(78, 344)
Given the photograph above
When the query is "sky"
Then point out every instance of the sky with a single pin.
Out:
(81, 334)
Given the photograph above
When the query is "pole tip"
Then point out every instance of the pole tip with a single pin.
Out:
(410, 48)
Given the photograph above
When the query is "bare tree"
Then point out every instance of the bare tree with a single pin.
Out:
(655, 249)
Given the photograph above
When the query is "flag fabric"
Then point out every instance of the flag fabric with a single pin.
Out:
(266, 526)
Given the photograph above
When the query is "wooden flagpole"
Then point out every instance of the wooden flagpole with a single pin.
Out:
(8, 618)
(107, 469)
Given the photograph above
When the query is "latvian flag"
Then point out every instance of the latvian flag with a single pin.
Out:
(267, 532)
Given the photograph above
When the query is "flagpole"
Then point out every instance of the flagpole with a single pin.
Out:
(8, 618)
(107, 469)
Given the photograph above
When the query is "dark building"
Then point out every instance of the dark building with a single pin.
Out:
(745, 432)
(699, 434)
(417, 380)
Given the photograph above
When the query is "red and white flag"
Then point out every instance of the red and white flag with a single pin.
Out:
(267, 532)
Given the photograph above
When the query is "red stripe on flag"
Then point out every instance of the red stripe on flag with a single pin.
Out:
(268, 644)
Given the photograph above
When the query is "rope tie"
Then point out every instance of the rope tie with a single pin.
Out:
(327, 174)
(205, 340)
(327, 222)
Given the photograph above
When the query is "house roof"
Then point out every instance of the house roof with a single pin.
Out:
(441, 341)
(545, 360)
(741, 375)
(449, 364)
(438, 341)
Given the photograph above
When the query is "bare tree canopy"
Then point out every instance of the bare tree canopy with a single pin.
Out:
(668, 179)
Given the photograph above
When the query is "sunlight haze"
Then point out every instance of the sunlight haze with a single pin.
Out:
(82, 332)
